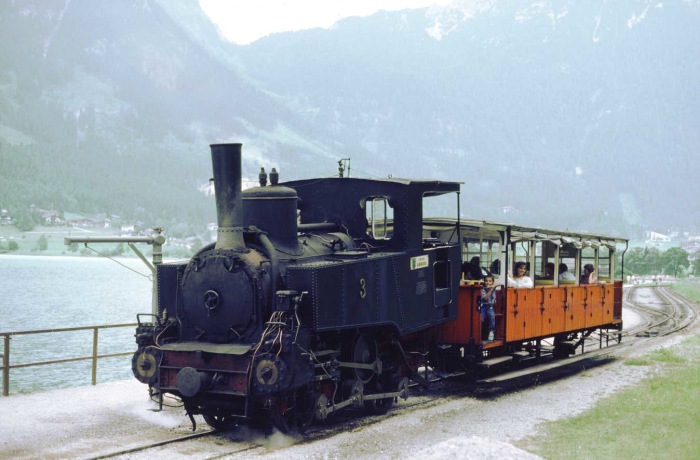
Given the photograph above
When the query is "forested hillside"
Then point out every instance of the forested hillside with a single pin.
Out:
(581, 115)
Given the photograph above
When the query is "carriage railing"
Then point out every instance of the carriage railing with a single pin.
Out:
(6, 366)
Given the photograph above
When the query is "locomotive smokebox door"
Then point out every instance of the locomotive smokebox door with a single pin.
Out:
(219, 296)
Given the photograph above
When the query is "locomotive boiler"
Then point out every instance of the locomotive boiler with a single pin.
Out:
(304, 304)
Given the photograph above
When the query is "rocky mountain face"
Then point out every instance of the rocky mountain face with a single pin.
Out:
(111, 107)
(578, 114)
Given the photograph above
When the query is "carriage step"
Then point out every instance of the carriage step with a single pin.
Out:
(520, 355)
(488, 363)
(593, 357)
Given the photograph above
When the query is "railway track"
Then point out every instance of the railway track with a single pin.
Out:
(662, 311)
(198, 442)
(153, 445)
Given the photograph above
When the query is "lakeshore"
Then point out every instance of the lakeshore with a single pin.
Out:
(44, 292)
(49, 241)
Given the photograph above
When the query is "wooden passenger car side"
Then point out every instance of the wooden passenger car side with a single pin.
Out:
(544, 311)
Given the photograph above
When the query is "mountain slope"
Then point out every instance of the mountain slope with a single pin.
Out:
(579, 114)
(110, 106)
(556, 109)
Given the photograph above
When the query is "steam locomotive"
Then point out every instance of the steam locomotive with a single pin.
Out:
(309, 301)
(330, 293)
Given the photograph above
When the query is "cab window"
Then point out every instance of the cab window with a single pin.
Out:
(379, 216)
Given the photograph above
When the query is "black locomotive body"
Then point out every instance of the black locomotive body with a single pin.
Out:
(306, 301)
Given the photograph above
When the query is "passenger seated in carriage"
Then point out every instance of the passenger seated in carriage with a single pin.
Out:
(519, 278)
(565, 274)
(588, 276)
(548, 271)
(473, 271)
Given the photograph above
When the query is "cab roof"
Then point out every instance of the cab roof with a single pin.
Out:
(343, 201)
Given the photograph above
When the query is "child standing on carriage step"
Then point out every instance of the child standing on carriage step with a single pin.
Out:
(487, 305)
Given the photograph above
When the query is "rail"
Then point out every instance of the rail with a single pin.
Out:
(6, 366)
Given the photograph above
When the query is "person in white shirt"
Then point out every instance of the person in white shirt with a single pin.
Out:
(519, 279)
(565, 274)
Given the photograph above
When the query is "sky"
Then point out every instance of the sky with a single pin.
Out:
(243, 21)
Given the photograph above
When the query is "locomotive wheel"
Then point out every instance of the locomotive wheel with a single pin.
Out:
(364, 351)
(382, 406)
(379, 406)
(219, 422)
(320, 407)
(354, 389)
(388, 381)
(294, 414)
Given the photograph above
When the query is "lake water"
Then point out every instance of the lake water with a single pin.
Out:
(56, 292)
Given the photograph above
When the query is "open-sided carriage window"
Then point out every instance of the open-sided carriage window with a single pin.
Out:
(486, 250)
(521, 253)
(538, 269)
(587, 257)
(492, 257)
(567, 264)
(604, 264)
(545, 252)
(471, 248)
(379, 215)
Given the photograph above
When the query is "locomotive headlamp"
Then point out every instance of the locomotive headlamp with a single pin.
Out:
(286, 300)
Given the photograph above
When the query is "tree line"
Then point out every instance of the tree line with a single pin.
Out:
(651, 261)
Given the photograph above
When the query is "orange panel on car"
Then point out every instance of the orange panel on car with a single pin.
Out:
(532, 314)
(576, 308)
(517, 303)
(468, 321)
(553, 316)
(608, 303)
(594, 305)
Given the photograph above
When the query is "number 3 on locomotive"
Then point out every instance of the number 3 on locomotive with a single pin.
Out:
(363, 288)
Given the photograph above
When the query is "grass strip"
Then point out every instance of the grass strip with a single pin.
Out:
(658, 417)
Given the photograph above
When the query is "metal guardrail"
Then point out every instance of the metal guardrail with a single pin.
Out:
(6, 366)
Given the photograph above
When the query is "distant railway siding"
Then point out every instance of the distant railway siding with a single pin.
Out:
(665, 311)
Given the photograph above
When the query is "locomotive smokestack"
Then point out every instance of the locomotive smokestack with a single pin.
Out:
(226, 162)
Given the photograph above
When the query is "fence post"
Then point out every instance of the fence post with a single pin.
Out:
(6, 366)
(94, 356)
